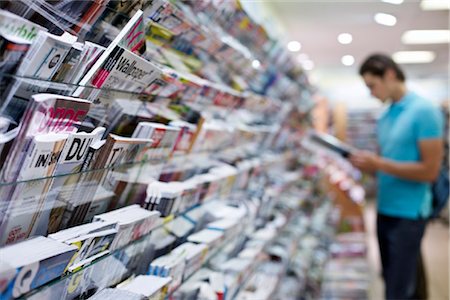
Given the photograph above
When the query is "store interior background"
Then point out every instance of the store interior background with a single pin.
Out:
(316, 25)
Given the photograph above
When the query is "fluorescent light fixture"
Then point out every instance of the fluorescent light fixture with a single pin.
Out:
(347, 60)
(308, 65)
(385, 19)
(256, 64)
(413, 57)
(435, 4)
(397, 2)
(426, 37)
(294, 46)
(345, 38)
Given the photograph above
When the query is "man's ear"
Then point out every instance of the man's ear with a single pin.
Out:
(390, 74)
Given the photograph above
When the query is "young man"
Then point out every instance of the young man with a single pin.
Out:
(409, 135)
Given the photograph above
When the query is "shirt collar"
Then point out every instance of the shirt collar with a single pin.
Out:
(402, 103)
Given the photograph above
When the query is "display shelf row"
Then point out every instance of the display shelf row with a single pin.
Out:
(98, 264)
(167, 83)
(45, 206)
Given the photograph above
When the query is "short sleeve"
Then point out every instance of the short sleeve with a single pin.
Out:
(429, 123)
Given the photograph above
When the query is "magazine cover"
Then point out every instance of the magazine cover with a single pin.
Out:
(119, 65)
(122, 71)
(164, 138)
(62, 187)
(16, 36)
(133, 222)
(26, 200)
(117, 150)
(168, 16)
(65, 215)
(34, 268)
(89, 55)
(70, 61)
(75, 16)
(186, 137)
(41, 61)
(91, 245)
(45, 113)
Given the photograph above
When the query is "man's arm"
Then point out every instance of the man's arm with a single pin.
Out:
(427, 169)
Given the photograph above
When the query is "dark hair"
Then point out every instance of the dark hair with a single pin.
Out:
(378, 64)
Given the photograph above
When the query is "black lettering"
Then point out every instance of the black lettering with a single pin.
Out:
(70, 154)
(81, 152)
(123, 63)
(42, 160)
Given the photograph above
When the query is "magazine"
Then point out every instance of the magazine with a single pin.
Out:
(16, 36)
(73, 209)
(65, 71)
(151, 287)
(133, 222)
(93, 240)
(164, 138)
(185, 139)
(45, 113)
(21, 29)
(168, 16)
(109, 293)
(332, 143)
(26, 200)
(34, 268)
(125, 114)
(122, 71)
(76, 17)
(72, 157)
(170, 265)
(41, 61)
(117, 150)
(118, 67)
(88, 56)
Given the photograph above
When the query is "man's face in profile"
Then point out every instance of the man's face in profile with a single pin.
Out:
(378, 86)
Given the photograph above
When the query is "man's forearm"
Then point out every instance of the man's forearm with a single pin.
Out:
(411, 171)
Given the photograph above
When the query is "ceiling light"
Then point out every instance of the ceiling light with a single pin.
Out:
(413, 57)
(426, 37)
(385, 19)
(294, 46)
(435, 4)
(308, 65)
(345, 38)
(256, 64)
(347, 60)
(393, 1)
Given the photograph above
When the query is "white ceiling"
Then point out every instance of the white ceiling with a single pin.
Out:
(316, 25)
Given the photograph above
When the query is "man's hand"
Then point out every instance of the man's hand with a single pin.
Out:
(366, 161)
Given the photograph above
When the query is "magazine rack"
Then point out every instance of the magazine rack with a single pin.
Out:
(133, 258)
(229, 153)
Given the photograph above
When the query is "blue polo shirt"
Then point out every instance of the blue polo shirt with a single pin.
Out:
(399, 131)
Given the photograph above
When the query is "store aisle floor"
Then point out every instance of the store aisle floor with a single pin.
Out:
(435, 248)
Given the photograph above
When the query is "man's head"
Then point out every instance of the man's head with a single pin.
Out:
(382, 76)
